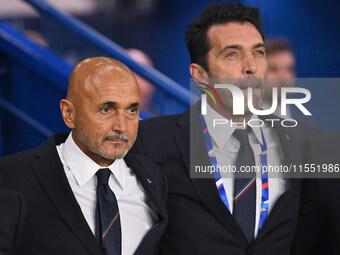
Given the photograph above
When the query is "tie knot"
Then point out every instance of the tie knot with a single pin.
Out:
(103, 176)
(242, 135)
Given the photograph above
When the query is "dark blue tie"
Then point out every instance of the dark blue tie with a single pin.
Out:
(108, 230)
(245, 188)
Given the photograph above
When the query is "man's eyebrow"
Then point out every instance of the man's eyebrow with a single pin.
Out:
(134, 104)
(233, 46)
(115, 104)
(258, 45)
(238, 46)
(110, 103)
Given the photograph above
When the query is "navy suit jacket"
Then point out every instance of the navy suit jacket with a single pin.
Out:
(199, 222)
(13, 223)
(318, 230)
(56, 222)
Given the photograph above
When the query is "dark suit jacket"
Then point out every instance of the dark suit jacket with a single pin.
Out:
(199, 222)
(56, 222)
(318, 230)
(13, 223)
(307, 125)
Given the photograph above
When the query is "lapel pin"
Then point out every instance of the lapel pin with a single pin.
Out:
(287, 136)
(149, 181)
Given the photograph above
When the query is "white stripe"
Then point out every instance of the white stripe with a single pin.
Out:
(245, 188)
(110, 225)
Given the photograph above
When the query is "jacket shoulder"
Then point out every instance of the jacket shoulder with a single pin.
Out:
(17, 159)
(166, 121)
(22, 158)
(324, 140)
(324, 148)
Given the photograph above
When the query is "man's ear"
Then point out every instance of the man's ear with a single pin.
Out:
(68, 111)
(199, 75)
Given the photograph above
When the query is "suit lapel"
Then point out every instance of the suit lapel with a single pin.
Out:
(141, 167)
(49, 171)
(291, 143)
(196, 151)
(290, 140)
(155, 193)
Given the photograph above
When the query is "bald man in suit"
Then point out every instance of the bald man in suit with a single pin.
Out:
(87, 194)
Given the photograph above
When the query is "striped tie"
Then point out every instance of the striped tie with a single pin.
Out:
(108, 230)
(245, 188)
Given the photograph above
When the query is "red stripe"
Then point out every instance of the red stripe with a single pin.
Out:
(218, 96)
(205, 130)
(218, 187)
(251, 184)
(265, 185)
(110, 227)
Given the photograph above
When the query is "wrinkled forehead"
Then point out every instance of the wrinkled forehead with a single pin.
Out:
(106, 76)
(111, 85)
(233, 33)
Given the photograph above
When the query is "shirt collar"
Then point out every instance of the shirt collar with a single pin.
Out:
(221, 133)
(84, 168)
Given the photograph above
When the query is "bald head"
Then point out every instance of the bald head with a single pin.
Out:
(102, 108)
(88, 74)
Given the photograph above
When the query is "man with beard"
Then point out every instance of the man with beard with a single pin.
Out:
(225, 213)
(85, 192)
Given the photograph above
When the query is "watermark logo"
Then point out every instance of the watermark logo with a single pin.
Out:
(238, 99)
(211, 95)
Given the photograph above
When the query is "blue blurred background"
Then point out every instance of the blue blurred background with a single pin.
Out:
(33, 78)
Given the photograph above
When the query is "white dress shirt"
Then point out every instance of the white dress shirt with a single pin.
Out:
(135, 215)
(226, 147)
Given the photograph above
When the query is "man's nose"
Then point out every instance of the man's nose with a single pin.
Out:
(119, 122)
(249, 65)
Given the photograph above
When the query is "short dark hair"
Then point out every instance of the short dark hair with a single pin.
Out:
(216, 13)
(277, 44)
